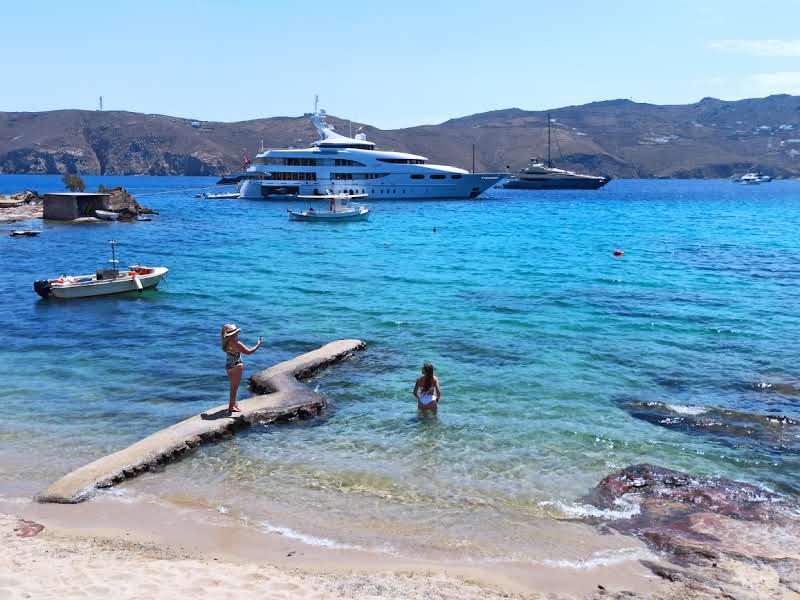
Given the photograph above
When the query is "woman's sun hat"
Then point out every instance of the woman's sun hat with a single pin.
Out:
(230, 329)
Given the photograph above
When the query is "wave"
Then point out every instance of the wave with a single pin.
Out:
(305, 538)
(626, 507)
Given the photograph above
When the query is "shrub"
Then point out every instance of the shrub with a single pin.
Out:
(73, 183)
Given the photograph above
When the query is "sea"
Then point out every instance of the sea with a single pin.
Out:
(559, 362)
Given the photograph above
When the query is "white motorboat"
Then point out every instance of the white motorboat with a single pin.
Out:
(106, 215)
(749, 179)
(219, 196)
(103, 282)
(339, 209)
(351, 164)
(753, 178)
(25, 232)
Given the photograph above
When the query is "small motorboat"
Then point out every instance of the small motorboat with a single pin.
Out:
(25, 232)
(106, 215)
(219, 196)
(103, 282)
(339, 209)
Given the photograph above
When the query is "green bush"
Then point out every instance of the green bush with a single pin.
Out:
(101, 189)
(73, 183)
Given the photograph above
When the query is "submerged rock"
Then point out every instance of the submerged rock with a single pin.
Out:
(777, 433)
(713, 529)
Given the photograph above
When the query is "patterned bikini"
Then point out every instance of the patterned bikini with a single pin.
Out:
(234, 360)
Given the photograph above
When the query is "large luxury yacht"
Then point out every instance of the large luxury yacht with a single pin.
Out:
(339, 164)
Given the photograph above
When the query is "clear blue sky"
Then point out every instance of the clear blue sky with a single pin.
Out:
(391, 64)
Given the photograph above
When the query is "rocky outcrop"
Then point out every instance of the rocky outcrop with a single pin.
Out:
(120, 201)
(720, 537)
(21, 206)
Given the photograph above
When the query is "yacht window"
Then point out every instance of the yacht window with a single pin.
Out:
(288, 176)
(455, 177)
(418, 177)
(403, 161)
(437, 176)
(346, 162)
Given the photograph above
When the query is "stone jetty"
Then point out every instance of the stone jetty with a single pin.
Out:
(281, 397)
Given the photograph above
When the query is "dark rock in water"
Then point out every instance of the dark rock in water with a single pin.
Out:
(723, 536)
(771, 432)
(120, 201)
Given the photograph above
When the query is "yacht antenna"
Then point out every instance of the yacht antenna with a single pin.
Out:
(316, 103)
(473, 158)
(549, 162)
(351, 128)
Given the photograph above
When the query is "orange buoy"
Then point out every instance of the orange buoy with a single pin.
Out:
(618, 252)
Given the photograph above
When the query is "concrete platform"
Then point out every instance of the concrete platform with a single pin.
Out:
(282, 397)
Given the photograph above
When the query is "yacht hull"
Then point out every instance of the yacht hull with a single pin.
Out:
(392, 187)
(588, 183)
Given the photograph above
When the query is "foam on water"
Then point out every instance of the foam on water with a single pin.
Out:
(628, 507)
(306, 538)
(687, 410)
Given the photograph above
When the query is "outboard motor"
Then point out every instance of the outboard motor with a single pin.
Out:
(42, 287)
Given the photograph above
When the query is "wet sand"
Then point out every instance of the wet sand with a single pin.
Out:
(144, 550)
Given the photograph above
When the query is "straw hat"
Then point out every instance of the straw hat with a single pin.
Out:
(230, 329)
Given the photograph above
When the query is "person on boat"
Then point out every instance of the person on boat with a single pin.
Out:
(332, 205)
(427, 390)
(234, 349)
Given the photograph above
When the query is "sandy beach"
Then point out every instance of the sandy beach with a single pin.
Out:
(137, 550)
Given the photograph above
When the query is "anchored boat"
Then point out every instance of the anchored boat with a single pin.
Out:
(103, 282)
(339, 209)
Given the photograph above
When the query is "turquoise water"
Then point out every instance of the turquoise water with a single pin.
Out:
(551, 351)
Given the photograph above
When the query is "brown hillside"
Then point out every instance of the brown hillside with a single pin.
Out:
(711, 138)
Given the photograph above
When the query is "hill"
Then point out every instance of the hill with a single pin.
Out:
(621, 138)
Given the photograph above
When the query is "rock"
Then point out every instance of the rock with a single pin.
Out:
(717, 529)
(120, 201)
(27, 529)
(26, 196)
(20, 206)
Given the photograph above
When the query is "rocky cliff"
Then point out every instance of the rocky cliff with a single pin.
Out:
(710, 138)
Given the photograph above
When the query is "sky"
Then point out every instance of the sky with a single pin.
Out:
(389, 64)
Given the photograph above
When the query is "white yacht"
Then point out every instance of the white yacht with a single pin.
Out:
(337, 164)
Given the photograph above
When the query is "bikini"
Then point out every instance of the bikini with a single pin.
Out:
(234, 359)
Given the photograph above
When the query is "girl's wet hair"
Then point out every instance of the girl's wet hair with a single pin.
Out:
(427, 375)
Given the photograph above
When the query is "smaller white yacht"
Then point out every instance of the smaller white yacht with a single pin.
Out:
(752, 178)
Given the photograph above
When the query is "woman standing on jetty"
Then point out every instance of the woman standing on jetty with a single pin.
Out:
(427, 390)
(233, 348)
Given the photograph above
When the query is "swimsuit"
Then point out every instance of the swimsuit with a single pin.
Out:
(428, 399)
(234, 360)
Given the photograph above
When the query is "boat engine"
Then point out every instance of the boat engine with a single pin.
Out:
(42, 287)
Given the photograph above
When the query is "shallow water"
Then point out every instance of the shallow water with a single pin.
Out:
(541, 339)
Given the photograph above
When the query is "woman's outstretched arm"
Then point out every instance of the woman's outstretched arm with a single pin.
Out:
(240, 347)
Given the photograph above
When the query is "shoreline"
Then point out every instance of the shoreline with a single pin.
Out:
(142, 537)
